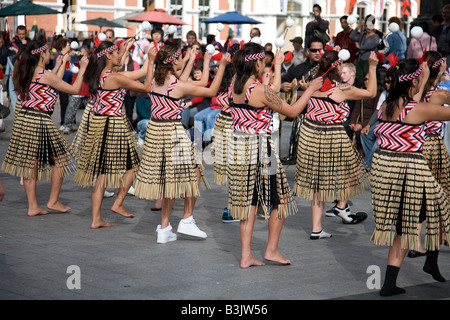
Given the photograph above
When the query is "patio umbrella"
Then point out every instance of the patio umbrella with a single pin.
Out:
(25, 8)
(101, 22)
(156, 16)
(232, 17)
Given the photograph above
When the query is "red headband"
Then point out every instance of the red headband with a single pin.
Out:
(107, 50)
(255, 56)
(39, 50)
(410, 76)
(172, 57)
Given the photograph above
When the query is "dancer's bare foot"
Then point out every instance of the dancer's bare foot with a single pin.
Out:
(58, 206)
(276, 256)
(37, 212)
(100, 224)
(250, 262)
(122, 211)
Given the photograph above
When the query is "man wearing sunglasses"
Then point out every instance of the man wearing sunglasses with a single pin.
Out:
(300, 72)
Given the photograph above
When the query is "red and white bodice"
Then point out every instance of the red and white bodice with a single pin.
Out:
(42, 97)
(400, 136)
(108, 102)
(165, 107)
(250, 119)
(326, 110)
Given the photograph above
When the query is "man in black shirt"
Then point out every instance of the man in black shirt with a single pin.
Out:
(300, 72)
(304, 73)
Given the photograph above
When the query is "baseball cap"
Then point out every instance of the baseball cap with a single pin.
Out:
(298, 40)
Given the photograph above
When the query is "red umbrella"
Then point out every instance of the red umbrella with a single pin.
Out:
(156, 16)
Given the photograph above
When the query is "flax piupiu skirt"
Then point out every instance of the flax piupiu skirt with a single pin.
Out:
(105, 146)
(436, 154)
(328, 164)
(169, 163)
(404, 194)
(36, 146)
(256, 176)
(80, 138)
(222, 133)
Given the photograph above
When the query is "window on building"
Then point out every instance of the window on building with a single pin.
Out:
(238, 5)
(294, 7)
(147, 3)
(383, 21)
(361, 12)
(176, 8)
(204, 8)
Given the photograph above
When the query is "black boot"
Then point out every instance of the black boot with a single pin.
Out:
(390, 282)
(431, 266)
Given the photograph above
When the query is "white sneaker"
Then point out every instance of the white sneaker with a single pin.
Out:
(165, 235)
(131, 191)
(343, 214)
(62, 128)
(108, 194)
(320, 235)
(140, 142)
(187, 226)
(66, 130)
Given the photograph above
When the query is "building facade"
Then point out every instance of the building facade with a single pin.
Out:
(271, 13)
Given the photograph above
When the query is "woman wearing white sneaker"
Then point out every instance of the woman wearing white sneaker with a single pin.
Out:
(256, 175)
(169, 168)
(328, 165)
(107, 156)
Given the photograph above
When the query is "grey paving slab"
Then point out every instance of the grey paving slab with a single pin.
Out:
(125, 262)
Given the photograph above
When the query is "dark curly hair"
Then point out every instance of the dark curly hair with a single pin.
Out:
(244, 70)
(24, 68)
(96, 65)
(399, 90)
(229, 70)
(163, 70)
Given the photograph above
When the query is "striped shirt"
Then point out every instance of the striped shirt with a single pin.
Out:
(433, 127)
(326, 110)
(249, 119)
(165, 107)
(222, 100)
(108, 102)
(400, 136)
(42, 97)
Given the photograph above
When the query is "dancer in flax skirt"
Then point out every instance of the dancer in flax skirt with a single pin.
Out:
(328, 165)
(404, 190)
(169, 168)
(256, 176)
(434, 150)
(107, 156)
(37, 150)
(222, 131)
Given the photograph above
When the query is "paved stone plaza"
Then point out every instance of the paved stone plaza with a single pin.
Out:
(58, 256)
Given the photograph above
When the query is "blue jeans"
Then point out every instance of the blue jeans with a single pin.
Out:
(187, 114)
(142, 128)
(208, 118)
(369, 144)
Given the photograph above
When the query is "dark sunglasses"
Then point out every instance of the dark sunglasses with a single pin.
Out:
(387, 82)
(315, 50)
